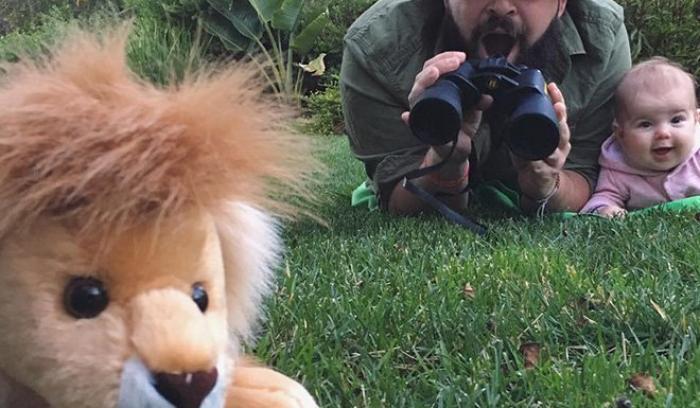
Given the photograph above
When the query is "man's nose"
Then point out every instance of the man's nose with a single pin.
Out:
(501, 8)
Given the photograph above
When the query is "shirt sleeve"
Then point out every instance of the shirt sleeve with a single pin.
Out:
(594, 124)
(608, 192)
(372, 106)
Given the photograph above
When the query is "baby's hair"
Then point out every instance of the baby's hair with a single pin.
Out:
(645, 66)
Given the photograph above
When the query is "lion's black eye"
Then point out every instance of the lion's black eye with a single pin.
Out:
(85, 298)
(200, 297)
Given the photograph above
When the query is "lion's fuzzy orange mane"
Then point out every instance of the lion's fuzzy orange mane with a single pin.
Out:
(83, 138)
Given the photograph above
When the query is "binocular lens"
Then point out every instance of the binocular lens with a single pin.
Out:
(533, 129)
(437, 116)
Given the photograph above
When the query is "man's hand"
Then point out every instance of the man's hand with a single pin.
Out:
(454, 173)
(433, 69)
(538, 178)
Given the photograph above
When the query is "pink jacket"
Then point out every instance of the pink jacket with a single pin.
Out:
(632, 189)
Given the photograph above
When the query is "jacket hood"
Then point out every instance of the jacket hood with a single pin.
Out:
(612, 157)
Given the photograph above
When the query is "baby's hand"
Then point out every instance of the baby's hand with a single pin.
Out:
(612, 212)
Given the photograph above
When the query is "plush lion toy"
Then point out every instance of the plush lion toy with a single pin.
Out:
(135, 240)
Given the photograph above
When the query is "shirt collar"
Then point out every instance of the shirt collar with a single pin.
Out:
(571, 40)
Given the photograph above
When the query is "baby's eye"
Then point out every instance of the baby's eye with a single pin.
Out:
(644, 125)
(677, 119)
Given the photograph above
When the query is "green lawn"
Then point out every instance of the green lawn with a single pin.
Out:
(371, 311)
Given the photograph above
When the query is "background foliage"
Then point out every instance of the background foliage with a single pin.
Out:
(665, 27)
(656, 27)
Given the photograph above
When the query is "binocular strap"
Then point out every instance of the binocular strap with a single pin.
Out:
(438, 205)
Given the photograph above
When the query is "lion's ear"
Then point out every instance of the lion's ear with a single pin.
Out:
(251, 248)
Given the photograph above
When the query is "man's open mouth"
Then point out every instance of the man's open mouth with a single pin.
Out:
(498, 44)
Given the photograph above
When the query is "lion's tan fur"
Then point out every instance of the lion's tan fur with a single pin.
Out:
(82, 137)
(148, 190)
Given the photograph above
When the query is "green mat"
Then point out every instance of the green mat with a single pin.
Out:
(496, 195)
(682, 205)
(364, 195)
(499, 196)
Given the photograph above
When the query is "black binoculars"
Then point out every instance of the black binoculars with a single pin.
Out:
(532, 130)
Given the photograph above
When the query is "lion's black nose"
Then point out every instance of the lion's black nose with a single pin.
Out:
(186, 390)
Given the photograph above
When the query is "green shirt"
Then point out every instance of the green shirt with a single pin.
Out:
(388, 44)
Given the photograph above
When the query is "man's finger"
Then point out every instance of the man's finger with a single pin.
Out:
(564, 139)
(559, 106)
(446, 55)
(430, 74)
(564, 136)
(554, 93)
(555, 159)
(425, 78)
(560, 111)
(484, 102)
(446, 65)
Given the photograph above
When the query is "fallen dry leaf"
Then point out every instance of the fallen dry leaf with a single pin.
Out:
(584, 321)
(531, 354)
(644, 383)
(659, 310)
(469, 291)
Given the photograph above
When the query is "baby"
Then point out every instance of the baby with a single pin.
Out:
(653, 155)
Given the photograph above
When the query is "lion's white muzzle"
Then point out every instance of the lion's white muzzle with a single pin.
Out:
(139, 389)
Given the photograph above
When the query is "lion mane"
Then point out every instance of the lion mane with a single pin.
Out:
(84, 139)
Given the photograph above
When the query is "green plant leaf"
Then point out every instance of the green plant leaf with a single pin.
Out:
(183, 8)
(266, 8)
(241, 14)
(316, 67)
(287, 15)
(218, 26)
(308, 35)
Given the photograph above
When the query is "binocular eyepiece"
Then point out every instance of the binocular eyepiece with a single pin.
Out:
(532, 130)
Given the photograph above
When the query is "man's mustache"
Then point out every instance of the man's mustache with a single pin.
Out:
(498, 23)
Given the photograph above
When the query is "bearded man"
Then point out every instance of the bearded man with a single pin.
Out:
(398, 48)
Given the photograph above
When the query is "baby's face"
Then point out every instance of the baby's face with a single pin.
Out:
(657, 129)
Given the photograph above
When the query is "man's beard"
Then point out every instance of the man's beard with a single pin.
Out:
(546, 54)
